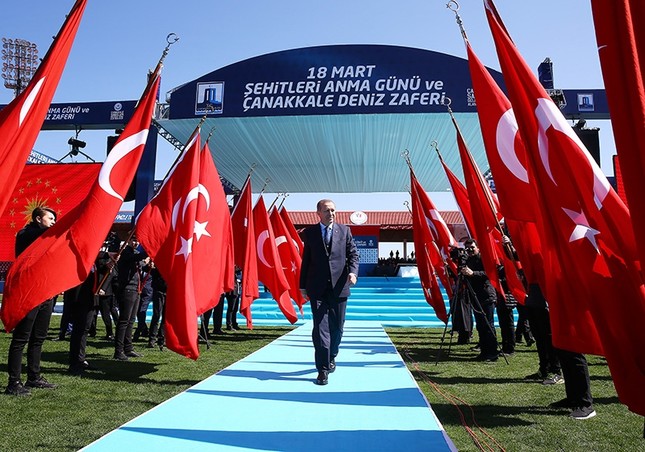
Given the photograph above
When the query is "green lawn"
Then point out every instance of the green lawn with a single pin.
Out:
(497, 404)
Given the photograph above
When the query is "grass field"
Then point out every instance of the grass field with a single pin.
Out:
(491, 401)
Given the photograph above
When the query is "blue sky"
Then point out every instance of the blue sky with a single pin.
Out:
(119, 41)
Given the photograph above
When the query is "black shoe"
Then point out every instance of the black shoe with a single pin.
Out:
(218, 333)
(41, 383)
(322, 378)
(583, 412)
(564, 403)
(109, 337)
(151, 345)
(17, 389)
(120, 357)
(87, 366)
(332, 365)
(530, 342)
(133, 354)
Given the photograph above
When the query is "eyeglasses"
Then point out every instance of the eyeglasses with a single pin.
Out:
(471, 247)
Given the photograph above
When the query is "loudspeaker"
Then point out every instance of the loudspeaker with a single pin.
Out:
(131, 194)
(591, 140)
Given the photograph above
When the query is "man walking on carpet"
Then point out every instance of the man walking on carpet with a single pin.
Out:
(329, 269)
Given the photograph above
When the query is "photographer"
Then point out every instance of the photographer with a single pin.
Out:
(461, 304)
(484, 305)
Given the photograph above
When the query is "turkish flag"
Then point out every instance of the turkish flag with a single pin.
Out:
(487, 230)
(269, 266)
(621, 48)
(426, 252)
(186, 231)
(62, 257)
(441, 236)
(289, 256)
(507, 160)
(293, 233)
(47, 185)
(245, 250)
(586, 228)
(21, 120)
(460, 193)
(217, 254)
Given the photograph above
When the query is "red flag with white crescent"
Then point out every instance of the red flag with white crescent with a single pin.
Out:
(425, 248)
(21, 120)
(289, 256)
(292, 230)
(245, 250)
(269, 266)
(441, 236)
(166, 228)
(62, 257)
(585, 226)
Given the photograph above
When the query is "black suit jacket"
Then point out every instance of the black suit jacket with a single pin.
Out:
(321, 268)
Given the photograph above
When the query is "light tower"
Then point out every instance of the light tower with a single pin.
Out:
(19, 63)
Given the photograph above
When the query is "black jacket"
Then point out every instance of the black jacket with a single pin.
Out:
(479, 281)
(27, 235)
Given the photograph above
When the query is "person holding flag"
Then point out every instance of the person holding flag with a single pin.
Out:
(32, 329)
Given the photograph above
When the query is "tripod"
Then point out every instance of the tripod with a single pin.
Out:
(464, 286)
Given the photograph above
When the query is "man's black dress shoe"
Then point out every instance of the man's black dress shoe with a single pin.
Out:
(332, 365)
(322, 378)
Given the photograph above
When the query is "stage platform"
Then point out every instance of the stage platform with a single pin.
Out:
(269, 402)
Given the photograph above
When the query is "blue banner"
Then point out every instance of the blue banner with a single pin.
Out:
(330, 80)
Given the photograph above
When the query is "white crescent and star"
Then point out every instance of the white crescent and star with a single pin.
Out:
(199, 228)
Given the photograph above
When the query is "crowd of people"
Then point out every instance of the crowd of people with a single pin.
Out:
(475, 296)
(120, 287)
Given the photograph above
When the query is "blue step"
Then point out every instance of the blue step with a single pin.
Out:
(392, 301)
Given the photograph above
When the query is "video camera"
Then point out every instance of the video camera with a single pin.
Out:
(459, 256)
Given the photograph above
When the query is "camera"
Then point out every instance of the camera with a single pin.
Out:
(459, 256)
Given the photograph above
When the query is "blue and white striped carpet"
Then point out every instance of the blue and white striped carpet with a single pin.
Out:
(269, 402)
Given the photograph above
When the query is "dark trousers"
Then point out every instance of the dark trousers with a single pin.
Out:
(506, 327)
(142, 312)
(66, 318)
(233, 302)
(329, 320)
(485, 324)
(541, 329)
(109, 312)
(128, 304)
(157, 321)
(523, 329)
(83, 311)
(30, 331)
(218, 315)
(577, 384)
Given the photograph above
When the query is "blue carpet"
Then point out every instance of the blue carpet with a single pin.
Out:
(268, 402)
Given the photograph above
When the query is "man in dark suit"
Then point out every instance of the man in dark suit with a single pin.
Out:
(329, 269)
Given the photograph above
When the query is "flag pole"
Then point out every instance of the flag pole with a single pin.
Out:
(284, 198)
(274, 202)
(435, 145)
(171, 38)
